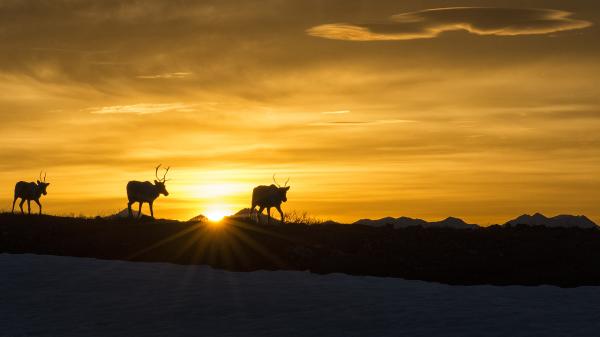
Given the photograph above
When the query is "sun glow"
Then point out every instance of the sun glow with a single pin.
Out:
(217, 213)
(217, 190)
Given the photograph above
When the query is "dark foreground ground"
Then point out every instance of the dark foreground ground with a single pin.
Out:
(49, 296)
(497, 255)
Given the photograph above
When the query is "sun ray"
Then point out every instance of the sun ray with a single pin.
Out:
(161, 242)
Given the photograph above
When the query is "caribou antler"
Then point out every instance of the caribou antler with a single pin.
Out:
(45, 176)
(163, 179)
(275, 181)
(156, 172)
(40, 178)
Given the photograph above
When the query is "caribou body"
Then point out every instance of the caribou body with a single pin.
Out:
(145, 191)
(267, 197)
(28, 191)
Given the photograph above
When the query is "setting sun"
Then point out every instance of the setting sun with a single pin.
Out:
(217, 214)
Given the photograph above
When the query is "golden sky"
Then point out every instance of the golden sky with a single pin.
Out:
(482, 110)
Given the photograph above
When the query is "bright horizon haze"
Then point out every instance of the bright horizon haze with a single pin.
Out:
(482, 110)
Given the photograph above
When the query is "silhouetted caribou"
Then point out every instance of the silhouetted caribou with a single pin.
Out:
(142, 192)
(267, 197)
(30, 191)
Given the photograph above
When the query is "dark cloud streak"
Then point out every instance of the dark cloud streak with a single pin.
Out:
(476, 20)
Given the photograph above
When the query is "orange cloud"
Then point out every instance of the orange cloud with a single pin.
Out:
(476, 20)
(176, 75)
(141, 109)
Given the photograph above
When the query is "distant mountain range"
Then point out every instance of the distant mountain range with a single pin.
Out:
(403, 222)
(563, 220)
(567, 221)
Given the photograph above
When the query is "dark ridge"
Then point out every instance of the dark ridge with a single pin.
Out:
(537, 219)
(404, 222)
(562, 220)
(499, 255)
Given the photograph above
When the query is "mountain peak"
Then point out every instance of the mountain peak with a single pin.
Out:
(537, 219)
(199, 218)
(452, 219)
(124, 213)
(563, 220)
(403, 222)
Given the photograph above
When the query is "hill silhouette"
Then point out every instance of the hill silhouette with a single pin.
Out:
(404, 222)
(198, 218)
(244, 214)
(538, 219)
(124, 213)
(580, 221)
(502, 255)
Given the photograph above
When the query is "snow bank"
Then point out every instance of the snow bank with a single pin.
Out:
(65, 296)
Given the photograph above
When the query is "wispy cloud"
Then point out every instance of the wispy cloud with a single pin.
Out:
(338, 112)
(70, 50)
(176, 75)
(354, 123)
(141, 109)
(476, 20)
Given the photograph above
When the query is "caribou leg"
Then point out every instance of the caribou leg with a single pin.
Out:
(13, 208)
(151, 210)
(280, 213)
(28, 206)
(260, 210)
(129, 208)
(39, 205)
(140, 210)
(21, 205)
(268, 215)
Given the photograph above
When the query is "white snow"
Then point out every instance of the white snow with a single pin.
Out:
(65, 296)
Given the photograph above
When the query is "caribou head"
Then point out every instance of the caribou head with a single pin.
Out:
(42, 184)
(282, 191)
(159, 183)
